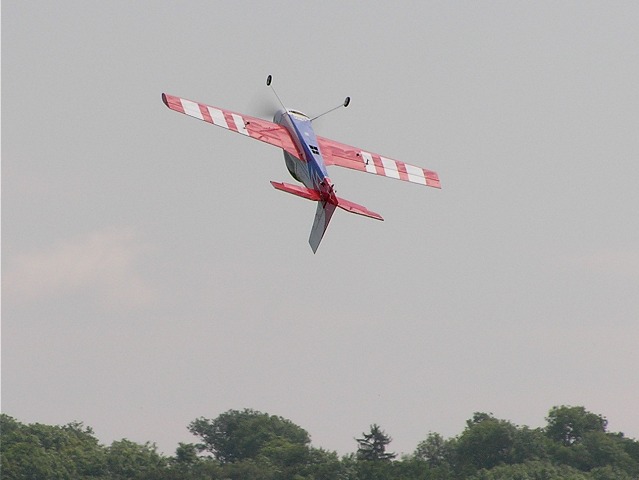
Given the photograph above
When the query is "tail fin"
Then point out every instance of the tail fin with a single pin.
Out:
(323, 215)
(324, 210)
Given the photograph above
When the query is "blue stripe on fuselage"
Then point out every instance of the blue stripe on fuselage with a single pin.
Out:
(307, 139)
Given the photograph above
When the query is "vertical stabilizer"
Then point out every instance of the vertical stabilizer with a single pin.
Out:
(322, 217)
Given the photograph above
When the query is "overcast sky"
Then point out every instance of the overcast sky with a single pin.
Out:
(151, 274)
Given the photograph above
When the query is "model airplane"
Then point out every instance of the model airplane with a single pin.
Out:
(307, 156)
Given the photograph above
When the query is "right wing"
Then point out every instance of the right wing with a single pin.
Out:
(253, 127)
(342, 155)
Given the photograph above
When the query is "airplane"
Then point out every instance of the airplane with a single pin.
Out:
(307, 155)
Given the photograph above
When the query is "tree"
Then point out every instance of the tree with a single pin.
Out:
(486, 442)
(372, 446)
(529, 445)
(606, 449)
(186, 455)
(239, 435)
(435, 451)
(568, 425)
(38, 451)
(323, 465)
(532, 471)
(257, 446)
(127, 459)
(188, 465)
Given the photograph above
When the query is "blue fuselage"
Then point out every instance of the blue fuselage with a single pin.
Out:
(309, 169)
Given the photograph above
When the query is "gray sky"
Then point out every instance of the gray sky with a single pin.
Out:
(152, 275)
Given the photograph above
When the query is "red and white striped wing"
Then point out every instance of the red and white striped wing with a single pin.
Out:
(336, 153)
(253, 127)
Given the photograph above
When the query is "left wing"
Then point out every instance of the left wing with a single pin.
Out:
(342, 155)
(257, 128)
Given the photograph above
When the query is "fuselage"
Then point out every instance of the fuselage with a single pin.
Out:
(309, 168)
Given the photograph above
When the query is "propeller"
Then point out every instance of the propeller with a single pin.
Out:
(265, 106)
(347, 100)
(269, 79)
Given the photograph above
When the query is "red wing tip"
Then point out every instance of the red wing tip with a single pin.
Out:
(166, 102)
(432, 180)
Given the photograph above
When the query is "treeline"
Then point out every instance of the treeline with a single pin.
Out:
(250, 445)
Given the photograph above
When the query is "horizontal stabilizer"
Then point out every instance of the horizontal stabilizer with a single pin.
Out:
(297, 190)
(325, 209)
(358, 209)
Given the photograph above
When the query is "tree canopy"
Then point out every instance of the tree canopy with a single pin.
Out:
(240, 435)
(251, 445)
(569, 425)
(372, 445)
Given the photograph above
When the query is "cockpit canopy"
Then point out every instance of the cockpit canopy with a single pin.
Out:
(297, 114)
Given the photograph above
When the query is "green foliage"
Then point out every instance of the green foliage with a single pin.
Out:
(188, 465)
(610, 473)
(249, 445)
(596, 450)
(49, 452)
(579, 439)
(186, 455)
(372, 446)
(127, 459)
(241, 435)
(529, 445)
(568, 425)
(323, 465)
(485, 443)
(530, 471)
(435, 450)
(373, 470)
